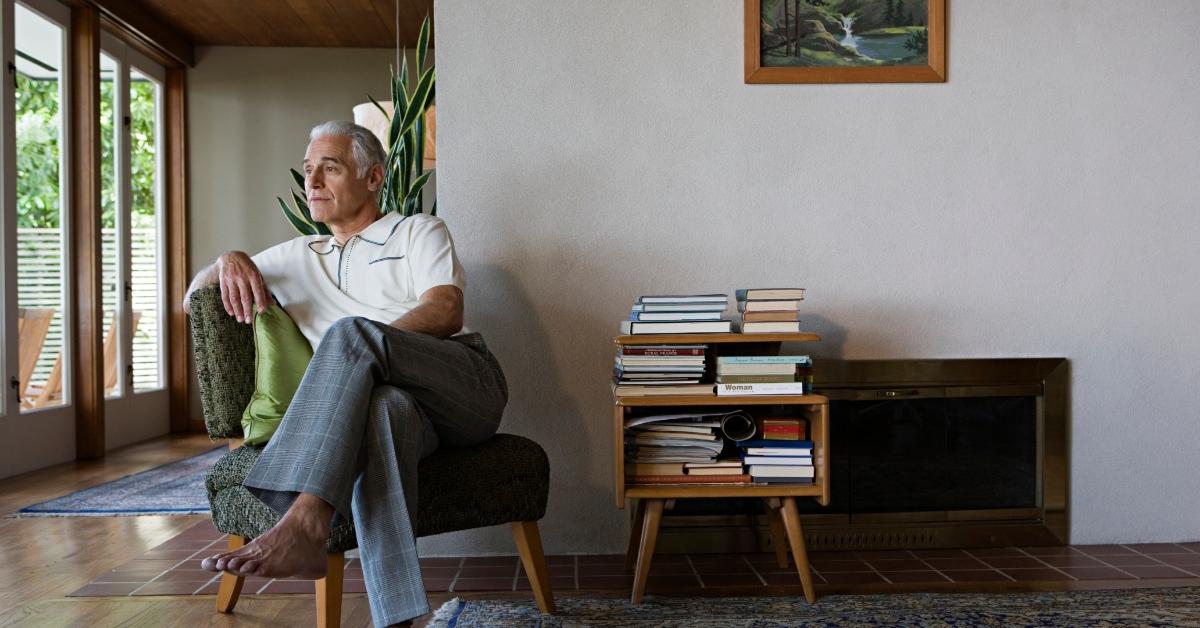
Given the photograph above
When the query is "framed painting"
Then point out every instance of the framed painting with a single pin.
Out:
(845, 41)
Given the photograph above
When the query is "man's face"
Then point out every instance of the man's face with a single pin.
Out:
(335, 192)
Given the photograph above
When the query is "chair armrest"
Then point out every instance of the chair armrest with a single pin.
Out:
(224, 351)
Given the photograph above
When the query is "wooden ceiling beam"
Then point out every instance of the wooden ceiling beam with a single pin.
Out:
(131, 17)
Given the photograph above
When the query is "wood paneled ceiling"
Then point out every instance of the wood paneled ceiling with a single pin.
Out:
(320, 23)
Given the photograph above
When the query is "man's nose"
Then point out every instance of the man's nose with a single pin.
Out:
(314, 178)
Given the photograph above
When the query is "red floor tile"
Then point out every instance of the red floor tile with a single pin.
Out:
(942, 553)
(609, 559)
(186, 575)
(440, 562)
(786, 579)
(1103, 550)
(911, 564)
(914, 576)
(1044, 574)
(478, 561)
(437, 584)
(976, 575)
(944, 564)
(1013, 562)
(982, 552)
(106, 589)
(732, 580)
(483, 584)
(354, 586)
(605, 582)
(1158, 548)
(667, 569)
(1077, 560)
(1181, 560)
(168, 588)
(1052, 550)
(126, 576)
(883, 555)
(436, 572)
(1155, 571)
(869, 577)
(556, 584)
(488, 571)
(1123, 561)
(289, 586)
(1096, 573)
(1190, 546)
(841, 566)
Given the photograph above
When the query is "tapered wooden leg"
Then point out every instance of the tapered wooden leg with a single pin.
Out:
(635, 535)
(778, 533)
(791, 522)
(329, 593)
(231, 585)
(654, 510)
(529, 546)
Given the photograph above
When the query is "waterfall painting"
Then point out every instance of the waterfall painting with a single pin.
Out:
(845, 41)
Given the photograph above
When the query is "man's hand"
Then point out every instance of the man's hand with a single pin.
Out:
(241, 286)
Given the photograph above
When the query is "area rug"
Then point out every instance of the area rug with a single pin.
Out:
(175, 488)
(1129, 607)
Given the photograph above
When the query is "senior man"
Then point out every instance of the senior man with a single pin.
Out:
(394, 372)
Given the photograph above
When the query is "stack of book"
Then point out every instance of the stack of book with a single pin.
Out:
(676, 449)
(769, 310)
(763, 375)
(679, 314)
(647, 370)
(778, 461)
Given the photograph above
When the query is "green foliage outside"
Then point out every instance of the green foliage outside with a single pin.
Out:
(38, 151)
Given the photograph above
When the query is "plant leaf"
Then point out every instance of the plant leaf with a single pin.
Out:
(297, 177)
(297, 222)
(423, 44)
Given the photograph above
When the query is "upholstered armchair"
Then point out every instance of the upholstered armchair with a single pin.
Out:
(505, 480)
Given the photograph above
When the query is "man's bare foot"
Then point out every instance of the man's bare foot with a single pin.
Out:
(294, 547)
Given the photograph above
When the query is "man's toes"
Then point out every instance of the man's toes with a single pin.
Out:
(249, 568)
(234, 563)
(210, 563)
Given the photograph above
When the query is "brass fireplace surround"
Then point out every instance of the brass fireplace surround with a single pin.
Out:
(1046, 379)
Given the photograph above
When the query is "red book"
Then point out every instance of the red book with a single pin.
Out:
(783, 428)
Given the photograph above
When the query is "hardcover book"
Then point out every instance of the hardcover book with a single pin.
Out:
(684, 298)
(764, 359)
(663, 350)
(754, 317)
(769, 294)
(691, 327)
(768, 306)
(796, 388)
(754, 379)
(675, 316)
(626, 390)
(769, 328)
(688, 479)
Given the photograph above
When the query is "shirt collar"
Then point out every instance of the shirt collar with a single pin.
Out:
(376, 233)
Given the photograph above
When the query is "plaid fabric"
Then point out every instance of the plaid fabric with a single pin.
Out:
(373, 402)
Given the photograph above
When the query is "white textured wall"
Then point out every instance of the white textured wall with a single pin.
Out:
(1040, 203)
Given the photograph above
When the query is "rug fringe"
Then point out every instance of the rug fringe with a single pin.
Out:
(447, 611)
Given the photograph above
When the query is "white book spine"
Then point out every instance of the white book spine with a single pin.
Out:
(779, 388)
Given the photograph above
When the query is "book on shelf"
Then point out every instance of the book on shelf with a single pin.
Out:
(768, 327)
(768, 306)
(764, 359)
(783, 445)
(769, 294)
(673, 427)
(723, 463)
(670, 438)
(657, 381)
(654, 468)
(661, 350)
(684, 298)
(679, 307)
(740, 478)
(715, 471)
(638, 315)
(754, 379)
(660, 368)
(774, 388)
(778, 460)
(780, 428)
(783, 480)
(684, 327)
(771, 316)
(781, 470)
(707, 419)
(725, 368)
(639, 390)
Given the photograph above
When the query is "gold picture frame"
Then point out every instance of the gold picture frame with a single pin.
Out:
(804, 62)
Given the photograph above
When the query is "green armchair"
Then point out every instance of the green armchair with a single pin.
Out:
(505, 480)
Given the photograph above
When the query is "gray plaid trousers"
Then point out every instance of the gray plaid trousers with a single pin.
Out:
(373, 402)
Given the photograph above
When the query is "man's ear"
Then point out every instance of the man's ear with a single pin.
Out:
(375, 177)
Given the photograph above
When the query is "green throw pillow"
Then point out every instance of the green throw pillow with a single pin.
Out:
(281, 355)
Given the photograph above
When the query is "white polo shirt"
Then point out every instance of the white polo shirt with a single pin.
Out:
(378, 274)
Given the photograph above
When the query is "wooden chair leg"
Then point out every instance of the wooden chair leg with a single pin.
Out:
(231, 585)
(778, 534)
(529, 546)
(654, 510)
(329, 593)
(791, 521)
(635, 535)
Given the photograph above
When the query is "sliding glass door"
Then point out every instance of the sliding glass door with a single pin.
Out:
(36, 413)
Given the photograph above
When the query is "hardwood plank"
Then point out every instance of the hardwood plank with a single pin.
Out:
(133, 19)
(84, 276)
(315, 15)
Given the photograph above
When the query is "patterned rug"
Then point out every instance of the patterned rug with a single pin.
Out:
(1130, 607)
(175, 488)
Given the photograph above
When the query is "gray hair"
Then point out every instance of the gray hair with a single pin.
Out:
(366, 148)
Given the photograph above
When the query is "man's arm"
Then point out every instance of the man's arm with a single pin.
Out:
(242, 285)
(440, 313)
